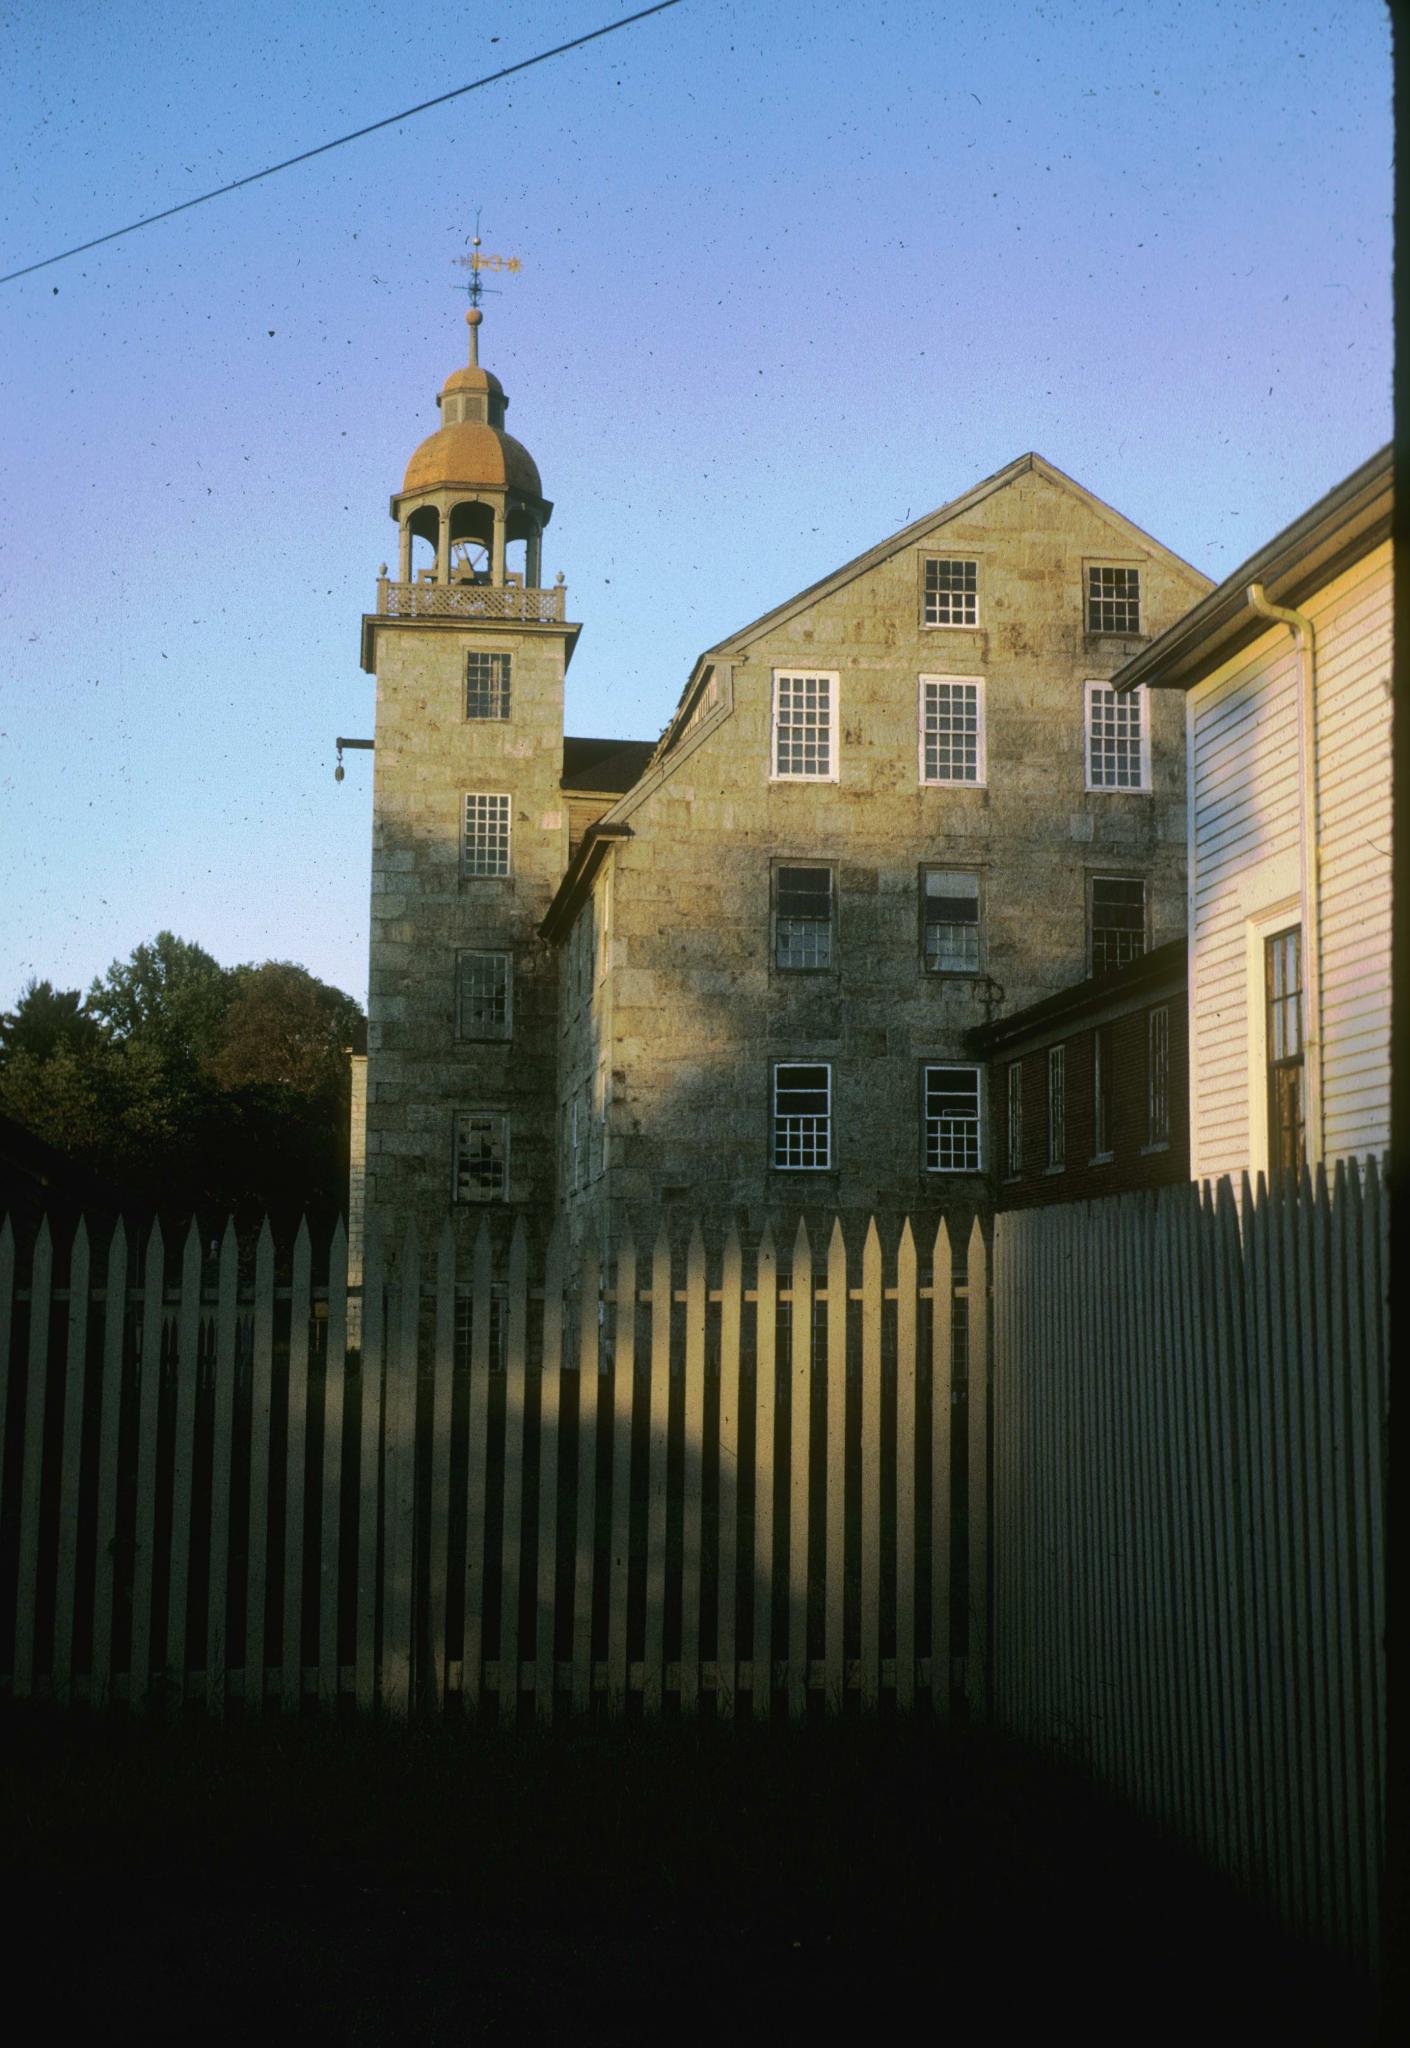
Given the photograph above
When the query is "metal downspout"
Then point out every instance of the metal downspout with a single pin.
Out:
(1310, 851)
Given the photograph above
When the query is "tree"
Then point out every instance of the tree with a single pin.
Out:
(43, 1020)
(170, 994)
(187, 1082)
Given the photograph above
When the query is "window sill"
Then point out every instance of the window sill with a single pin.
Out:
(1111, 789)
(951, 626)
(1102, 1159)
(1158, 1145)
(957, 782)
(1049, 1170)
(805, 779)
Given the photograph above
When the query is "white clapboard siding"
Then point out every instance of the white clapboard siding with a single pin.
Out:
(1246, 827)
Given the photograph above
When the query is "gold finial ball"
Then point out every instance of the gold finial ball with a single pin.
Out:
(474, 317)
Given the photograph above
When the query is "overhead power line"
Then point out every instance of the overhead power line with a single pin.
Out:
(391, 120)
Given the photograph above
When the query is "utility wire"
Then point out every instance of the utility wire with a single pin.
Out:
(391, 120)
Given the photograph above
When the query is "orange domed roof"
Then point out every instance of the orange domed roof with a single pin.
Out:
(473, 379)
(469, 452)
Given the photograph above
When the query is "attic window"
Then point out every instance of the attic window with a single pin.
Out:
(951, 592)
(1113, 600)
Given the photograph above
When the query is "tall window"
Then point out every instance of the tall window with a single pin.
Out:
(950, 917)
(486, 834)
(1013, 1136)
(804, 741)
(952, 1119)
(1057, 1105)
(1118, 745)
(802, 1122)
(1118, 921)
(484, 984)
(1101, 1091)
(1113, 600)
(951, 593)
(1158, 1075)
(952, 729)
(486, 685)
(481, 1157)
(1282, 976)
(803, 918)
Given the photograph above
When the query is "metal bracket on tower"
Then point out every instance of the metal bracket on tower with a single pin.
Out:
(366, 746)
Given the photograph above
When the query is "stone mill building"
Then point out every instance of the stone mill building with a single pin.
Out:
(732, 971)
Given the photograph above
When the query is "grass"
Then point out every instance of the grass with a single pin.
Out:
(363, 1884)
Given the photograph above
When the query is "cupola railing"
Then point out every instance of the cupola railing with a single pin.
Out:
(469, 601)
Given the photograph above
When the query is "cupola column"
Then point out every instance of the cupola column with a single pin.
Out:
(533, 557)
(497, 554)
(443, 546)
(404, 551)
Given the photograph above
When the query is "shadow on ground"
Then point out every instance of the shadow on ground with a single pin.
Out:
(175, 1883)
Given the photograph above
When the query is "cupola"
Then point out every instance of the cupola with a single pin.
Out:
(472, 491)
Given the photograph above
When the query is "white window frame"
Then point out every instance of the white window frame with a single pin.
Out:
(975, 1165)
(1259, 926)
(506, 1032)
(1141, 695)
(949, 625)
(832, 678)
(500, 796)
(1103, 1088)
(488, 1116)
(1057, 1108)
(809, 1166)
(980, 777)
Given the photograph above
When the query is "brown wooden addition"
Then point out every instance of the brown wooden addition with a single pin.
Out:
(1088, 1089)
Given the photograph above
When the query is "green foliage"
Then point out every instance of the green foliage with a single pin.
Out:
(187, 1082)
(45, 1019)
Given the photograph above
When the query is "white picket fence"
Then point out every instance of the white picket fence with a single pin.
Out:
(1188, 1406)
(738, 1486)
(789, 1482)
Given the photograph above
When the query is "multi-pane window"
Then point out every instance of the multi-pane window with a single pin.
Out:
(1013, 1135)
(804, 712)
(802, 1121)
(486, 834)
(481, 1157)
(486, 685)
(1282, 979)
(952, 1119)
(803, 918)
(484, 987)
(950, 920)
(1118, 921)
(951, 729)
(1102, 1077)
(1057, 1105)
(1158, 1075)
(951, 593)
(1118, 756)
(1113, 600)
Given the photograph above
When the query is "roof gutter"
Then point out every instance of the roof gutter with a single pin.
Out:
(1310, 861)
(597, 843)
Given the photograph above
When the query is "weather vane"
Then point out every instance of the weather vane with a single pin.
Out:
(477, 263)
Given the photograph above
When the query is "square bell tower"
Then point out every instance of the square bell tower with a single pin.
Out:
(469, 832)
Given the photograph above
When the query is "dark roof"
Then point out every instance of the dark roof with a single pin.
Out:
(604, 766)
(1346, 524)
(1128, 985)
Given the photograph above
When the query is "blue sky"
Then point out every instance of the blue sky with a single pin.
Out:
(793, 273)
